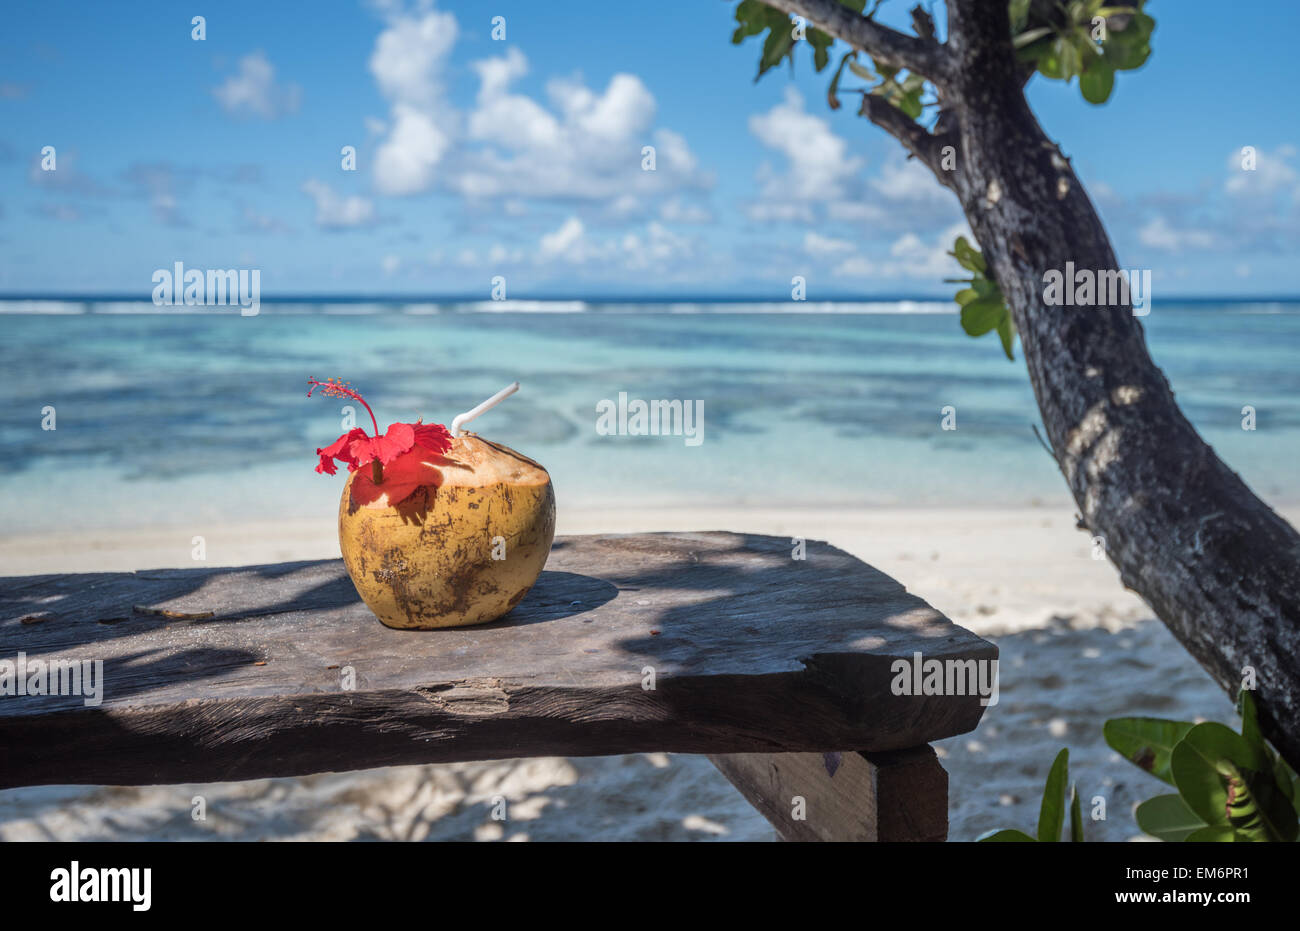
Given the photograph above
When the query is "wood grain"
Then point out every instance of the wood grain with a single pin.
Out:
(751, 651)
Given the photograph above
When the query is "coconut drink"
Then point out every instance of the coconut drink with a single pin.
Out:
(438, 527)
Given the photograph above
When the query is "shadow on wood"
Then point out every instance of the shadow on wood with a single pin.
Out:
(693, 643)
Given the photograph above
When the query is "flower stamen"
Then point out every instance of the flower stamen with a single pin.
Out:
(336, 388)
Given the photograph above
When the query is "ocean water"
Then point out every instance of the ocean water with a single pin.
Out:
(168, 417)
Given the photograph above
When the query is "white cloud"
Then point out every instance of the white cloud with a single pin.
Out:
(1272, 173)
(908, 180)
(653, 246)
(334, 211)
(566, 244)
(822, 180)
(407, 65)
(819, 246)
(909, 257)
(819, 164)
(405, 161)
(585, 146)
(1158, 234)
(252, 90)
(659, 246)
(579, 144)
(857, 266)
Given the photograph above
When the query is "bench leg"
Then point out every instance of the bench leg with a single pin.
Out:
(899, 795)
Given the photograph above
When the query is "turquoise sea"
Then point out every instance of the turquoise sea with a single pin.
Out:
(167, 416)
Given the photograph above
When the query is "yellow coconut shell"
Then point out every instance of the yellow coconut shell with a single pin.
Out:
(429, 562)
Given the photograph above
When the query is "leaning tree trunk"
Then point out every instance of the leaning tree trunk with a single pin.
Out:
(1214, 562)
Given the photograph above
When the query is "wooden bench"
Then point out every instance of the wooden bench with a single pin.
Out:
(713, 643)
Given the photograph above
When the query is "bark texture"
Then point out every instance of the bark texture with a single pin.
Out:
(1217, 565)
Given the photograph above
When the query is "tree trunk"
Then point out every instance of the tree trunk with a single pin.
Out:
(1214, 562)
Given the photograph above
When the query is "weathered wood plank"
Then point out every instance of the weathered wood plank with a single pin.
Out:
(750, 650)
(900, 795)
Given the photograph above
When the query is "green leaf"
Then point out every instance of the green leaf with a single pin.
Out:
(1067, 53)
(1035, 52)
(1008, 836)
(779, 44)
(911, 104)
(1007, 333)
(1286, 779)
(1051, 815)
(832, 93)
(1215, 834)
(965, 296)
(752, 16)
(1226, 780)
(1098, 81)
(981, 315)
(1168, 818)
(862, 71)
(821, 43)
(1019, 10)
(1249, 719)
(1076, 817)
(1129, 48)
(969, 258)
(1033, 35)
(1146, 742)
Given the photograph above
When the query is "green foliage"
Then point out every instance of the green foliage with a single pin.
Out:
(1051, 813)
(1061, 44)
(1231, 787)
(1168, 818)
(1146, 742)
(753, 18)
(983, 308)
(1071, 46)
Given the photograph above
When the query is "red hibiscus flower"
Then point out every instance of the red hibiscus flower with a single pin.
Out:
(401, 459)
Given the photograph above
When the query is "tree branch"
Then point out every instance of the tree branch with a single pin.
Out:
(919, 142)
(925, 57)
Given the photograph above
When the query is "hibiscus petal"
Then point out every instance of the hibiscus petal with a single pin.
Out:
(361, 450)
(399, 439)
(340, 449)
(433, 437)
(402, 476)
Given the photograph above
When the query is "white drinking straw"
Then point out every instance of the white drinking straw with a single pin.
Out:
(485, 406)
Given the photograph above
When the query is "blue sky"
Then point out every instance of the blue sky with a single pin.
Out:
(522, 157)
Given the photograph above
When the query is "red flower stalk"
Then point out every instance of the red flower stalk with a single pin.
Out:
(398, 458)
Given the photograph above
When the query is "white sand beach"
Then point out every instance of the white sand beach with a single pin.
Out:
(1076, 649)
